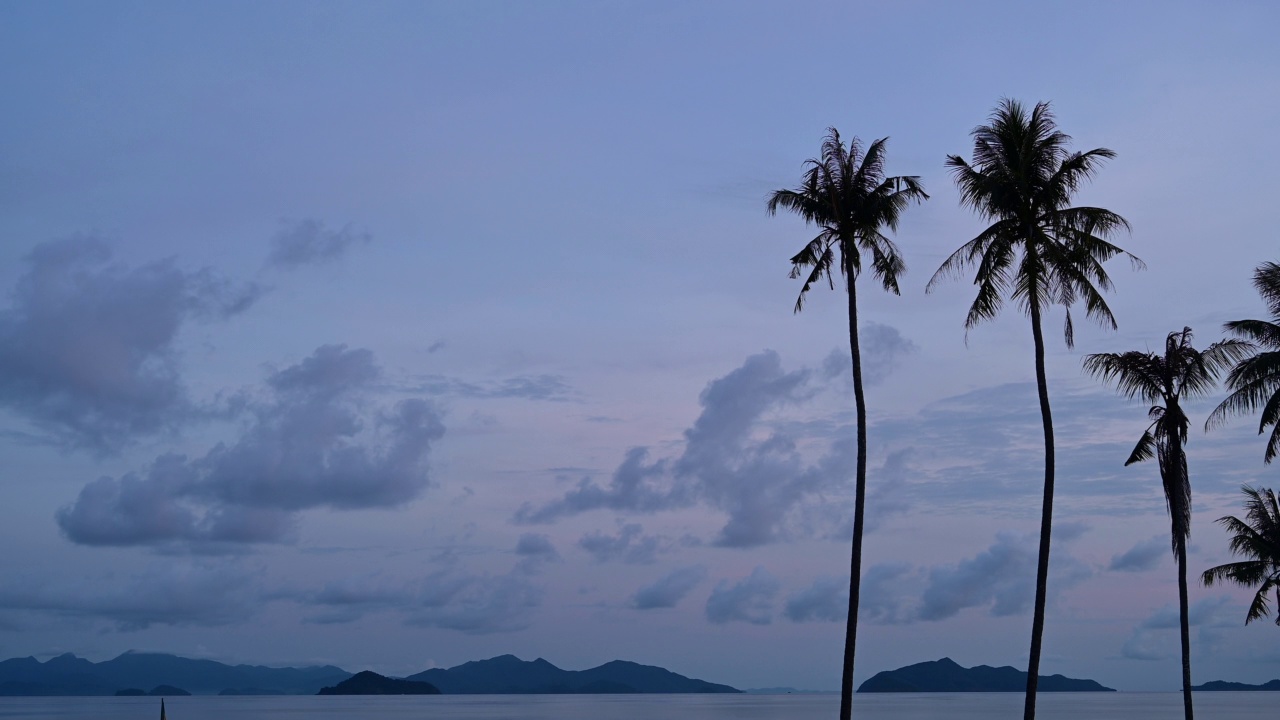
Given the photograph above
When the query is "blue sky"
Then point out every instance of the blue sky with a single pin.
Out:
(403, 334)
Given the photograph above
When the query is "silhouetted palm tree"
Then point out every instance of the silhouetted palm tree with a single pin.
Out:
(1259, 539)
(847, 196)
(1040, 252)
(1255, 381)
(1166, 380)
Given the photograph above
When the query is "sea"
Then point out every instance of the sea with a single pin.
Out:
(815, 706)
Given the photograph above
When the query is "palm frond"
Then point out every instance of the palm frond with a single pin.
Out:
(1257, 538)
(1259, 332)
(1144, 450)
(1266, 280)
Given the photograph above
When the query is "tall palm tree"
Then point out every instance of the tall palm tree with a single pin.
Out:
(1182, 373)
(1255, 380)
(846, 195)
(1258, 538)
(1039, 251)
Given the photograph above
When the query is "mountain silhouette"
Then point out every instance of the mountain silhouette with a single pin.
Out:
(946, 675)
(371, 683)
(1223, 685)
(508, 674)
(70, 675)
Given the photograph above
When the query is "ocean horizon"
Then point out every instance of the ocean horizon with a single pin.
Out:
(806, 706)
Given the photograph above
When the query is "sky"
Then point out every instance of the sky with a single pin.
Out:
(398, 335)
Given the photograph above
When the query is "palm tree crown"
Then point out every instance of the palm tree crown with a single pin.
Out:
(1181, 373)
(1255, 380)
(1258, 538)
(847, 196)
(1038, 249)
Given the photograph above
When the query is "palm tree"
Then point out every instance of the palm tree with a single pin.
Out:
(1182, 373)
(1258, 538)
(847, 196)
(1040, 252)
(1255, 380)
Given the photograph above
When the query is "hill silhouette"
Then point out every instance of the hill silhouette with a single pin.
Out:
(946, 675)
(1224, 686)
(70, 675)
(368, 682)
(508, 674)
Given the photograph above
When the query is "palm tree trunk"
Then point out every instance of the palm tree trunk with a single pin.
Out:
(1186, 631)
(1181, 529)
(1046, 520)
(859, 502)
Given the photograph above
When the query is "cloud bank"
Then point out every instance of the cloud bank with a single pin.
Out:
(731, 461)
(670, 589)
(749, 600)
(309, 445)
(87, 346)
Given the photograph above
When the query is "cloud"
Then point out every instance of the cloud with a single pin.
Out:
(635, 486)
(748, 600)
(1202, 612)
(168, 593)
(826, 600)
(535, 551)
(1146, 555)
(881, 599)
(756, 482)
(309, 242)
(882, 348)
(1002, 577)
(87, 346)
(729, 462)
(547, 387)
(310, 445)
(886, 494)
(536, 546)
(630, 545)
(476, 603)
(451, 597)
(670, 589)
(348, 599)
(1155, 638)
(885, 498)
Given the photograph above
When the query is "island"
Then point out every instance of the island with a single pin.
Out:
(508, 674)
(946, 675)
(1225, 686)
(368, 682)
(157, 691)
(67, 675)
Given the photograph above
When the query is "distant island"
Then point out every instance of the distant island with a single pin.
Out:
(371, 683)
(946, 675)
(157, 691)
(508, 674)
(71, 675)
(1224, 686)
(67, 675)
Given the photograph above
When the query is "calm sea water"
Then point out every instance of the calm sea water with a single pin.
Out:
(923, 706)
